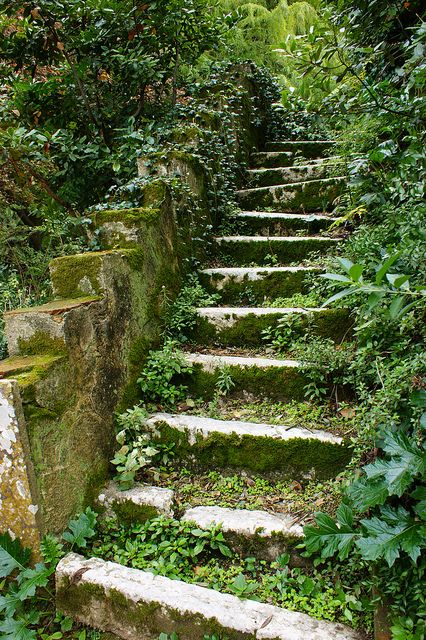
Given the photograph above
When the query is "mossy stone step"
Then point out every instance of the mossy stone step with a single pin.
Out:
(306, 148)
(253, 533)
(138, 504)
(255, 284)
(28, 369)
(294, 453)
(246, 250)
(244, 326)
(271, 159)
(137, 604)
(280, 224)
(297, 173)
(254, 376)
(309, 196)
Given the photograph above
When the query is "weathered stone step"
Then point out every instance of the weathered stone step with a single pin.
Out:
(255, 533)
(271, 159)
(276, 223)
(243, 326)
(26, 369)
(138, 504)
(257, 283)
(294, 453)
(297, 173)
(43, 328)
(136, 604)
(309, 196)
(246, 250)
(306, 148)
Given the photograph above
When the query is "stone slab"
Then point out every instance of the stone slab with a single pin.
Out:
(138, 498)
(211, 362)
(135, 604)
(196, 426)
(224, 317)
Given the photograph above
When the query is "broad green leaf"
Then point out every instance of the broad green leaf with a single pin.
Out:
(368, 493)
(396, 306)
(341, 294)
(12, 555)
(420, 495)
(16, 629)
(330, 537)
(346, 264)
(336, 276)
(418, 398)
(355, 272)
(385, 266)
(30, 579)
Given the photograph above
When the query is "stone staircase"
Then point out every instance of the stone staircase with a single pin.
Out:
(285, 214)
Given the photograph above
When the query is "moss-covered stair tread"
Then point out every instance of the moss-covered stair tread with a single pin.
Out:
(306, 148)
(244, 326)
(137, 604)
(55, 307)
(264, 177)
(292, 452)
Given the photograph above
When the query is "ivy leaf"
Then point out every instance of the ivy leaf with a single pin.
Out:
(12, 555)
(81, 529)
(331, 537)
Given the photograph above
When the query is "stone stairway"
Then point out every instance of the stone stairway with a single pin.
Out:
(285, 214)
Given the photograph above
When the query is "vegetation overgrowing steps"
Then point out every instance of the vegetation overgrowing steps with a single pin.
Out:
(135, 604)
(309, 195)
(255, 284)
(294, 452)
(265, 177)
(307, 148)
(246, 250)
(244, 326)
(277, 223)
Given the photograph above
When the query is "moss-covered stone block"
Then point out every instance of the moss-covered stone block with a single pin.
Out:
(237, 330)
(245, 251)
(314, 195)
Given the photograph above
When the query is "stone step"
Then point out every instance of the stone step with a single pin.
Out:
(246, 250)
(271, 159)
(276, 223)
(137, 604)
(138, 504)
(309, 196)
(297, 173)
(26, 369)
(42, 329)
(293, 453)
(306, 148)
(244, 326)
(252, 533)
(255, 284)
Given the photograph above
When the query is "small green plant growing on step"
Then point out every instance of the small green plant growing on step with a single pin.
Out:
(285, 334)
(27, 600)
(181, 314)
(224, 382)
(136, 448)
(156, 379)
(270, 260)
(242, 587)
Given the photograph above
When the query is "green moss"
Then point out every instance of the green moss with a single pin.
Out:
(287, 252)
(296, 458)
(135, 258)
(128, 512)
(155, 193)
(248, 330)
(77, 275)
(273, 285)
(41, 343)
(264, 547)
(308, 196)
(146, 619)
(129, 217)
(276, 383)
(271, 160)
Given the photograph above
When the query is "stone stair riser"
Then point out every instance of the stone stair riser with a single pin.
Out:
(268, 225)
(249, 289)
(311, 196)
(137, 605)
(304, 148)
(256, 251)
(292, 459)
(287, 175)
(271, 160)
(247, 331)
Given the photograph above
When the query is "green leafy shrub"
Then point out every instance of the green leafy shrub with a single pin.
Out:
(156, 380)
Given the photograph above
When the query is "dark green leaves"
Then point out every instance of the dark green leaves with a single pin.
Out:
(81, 529)
(12, 555)
(332, 537)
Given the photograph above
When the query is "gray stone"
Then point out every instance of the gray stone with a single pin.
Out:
(135, 604)
(141, 495)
